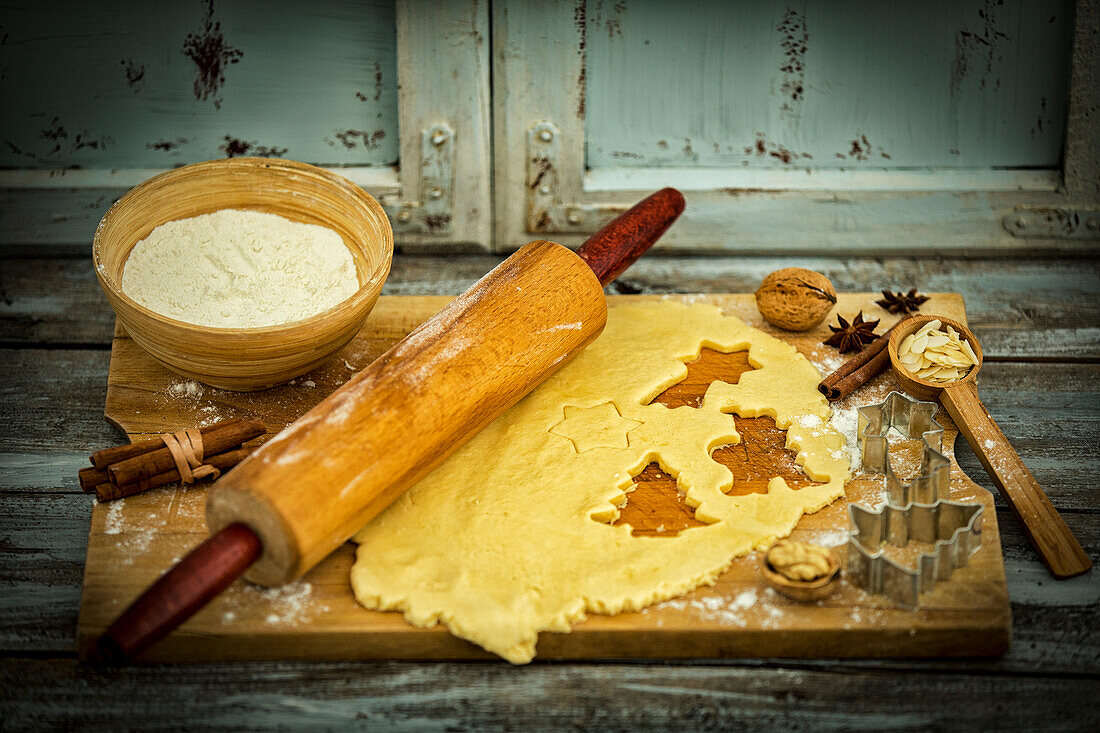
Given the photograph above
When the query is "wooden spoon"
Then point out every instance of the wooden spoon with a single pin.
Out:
(1046, 529)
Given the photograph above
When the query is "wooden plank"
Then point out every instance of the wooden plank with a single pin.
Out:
(53, 302)
(612, 697)
(443, 65)
(42, 545)
(52, 400)
(804, 84)
(132, 541)
(815, 179)
(126, 87)
(1022, 309)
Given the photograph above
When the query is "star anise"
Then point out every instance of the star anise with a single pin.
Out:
(902, 302)
(852, 336)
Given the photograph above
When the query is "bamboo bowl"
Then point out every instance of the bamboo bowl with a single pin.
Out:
(246, 359)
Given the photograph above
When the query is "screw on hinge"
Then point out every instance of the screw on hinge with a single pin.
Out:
(573, 217)
(1021, 222)
(544, 189)
(404, 215)
(546, 136)
(436, 193)
(438, 138)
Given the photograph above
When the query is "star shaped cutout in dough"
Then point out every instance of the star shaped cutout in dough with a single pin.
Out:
(601, 426)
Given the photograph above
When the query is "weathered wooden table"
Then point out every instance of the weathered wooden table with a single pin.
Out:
(1039, 321)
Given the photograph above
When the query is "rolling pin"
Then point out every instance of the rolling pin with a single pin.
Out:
(311, 487)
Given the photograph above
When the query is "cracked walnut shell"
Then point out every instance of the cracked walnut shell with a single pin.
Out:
(795, 299)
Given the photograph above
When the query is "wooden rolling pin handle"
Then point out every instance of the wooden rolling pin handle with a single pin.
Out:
(206, 571)
(1055, 543)
(626, 238)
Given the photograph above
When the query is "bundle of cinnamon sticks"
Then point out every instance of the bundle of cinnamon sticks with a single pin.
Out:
(203, 453)
(858, 370)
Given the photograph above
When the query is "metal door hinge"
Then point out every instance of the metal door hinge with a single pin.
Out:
(546, 213)
(431, 212)
(1049, 222)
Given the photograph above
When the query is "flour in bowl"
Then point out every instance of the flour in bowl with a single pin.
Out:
(239, 269)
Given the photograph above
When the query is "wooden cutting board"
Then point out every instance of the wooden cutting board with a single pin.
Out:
(134, 540)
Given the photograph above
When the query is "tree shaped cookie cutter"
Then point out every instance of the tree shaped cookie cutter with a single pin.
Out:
(916, 511)
(912, 419)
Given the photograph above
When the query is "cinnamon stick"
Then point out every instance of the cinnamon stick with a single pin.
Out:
(107, 456)
(107, 491)
(91, 477)
(858, 370)
(219, 439)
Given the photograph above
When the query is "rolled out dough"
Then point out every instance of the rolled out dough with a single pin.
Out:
(511, 535)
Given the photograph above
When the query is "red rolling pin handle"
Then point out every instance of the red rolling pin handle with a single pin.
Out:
(626, 238)
(206, 571)
(212, 566)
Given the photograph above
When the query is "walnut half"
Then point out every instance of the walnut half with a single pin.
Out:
(799, 561)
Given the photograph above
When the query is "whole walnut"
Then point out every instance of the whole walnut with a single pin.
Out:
(795, 299)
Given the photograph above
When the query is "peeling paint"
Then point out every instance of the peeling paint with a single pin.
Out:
(794, 40)
(167, 145)
(351, 139)
(235, 147)
(19, 151)
(377, 81)
(135, 74)
(687, 150)
(544, 167)
(861, 149)
(580, 22)
(55, 133)
(211, 55)
(978, 46)
(763, 147)
(613, 22)
(1041, 119)
(437, 222)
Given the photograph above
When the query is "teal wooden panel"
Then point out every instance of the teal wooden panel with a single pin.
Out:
(131, 83)
(821, 84)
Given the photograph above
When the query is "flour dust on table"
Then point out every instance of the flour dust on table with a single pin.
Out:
(513, 534)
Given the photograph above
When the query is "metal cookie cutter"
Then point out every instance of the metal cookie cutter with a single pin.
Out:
(913, 511)
(912, 419)
(956, 530)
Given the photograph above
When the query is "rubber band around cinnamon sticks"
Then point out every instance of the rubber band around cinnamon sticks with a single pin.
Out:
(858, 370)
(186, 449)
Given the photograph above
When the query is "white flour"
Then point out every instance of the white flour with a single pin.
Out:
(239, 269)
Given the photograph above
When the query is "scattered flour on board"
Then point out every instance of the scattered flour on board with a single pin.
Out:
(846, 422)
(190, 388)
(113, 522)
(736, 611)
(825, 361)
(829, 538)
(290, 604)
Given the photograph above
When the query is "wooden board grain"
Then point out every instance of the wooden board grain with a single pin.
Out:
(133, 541)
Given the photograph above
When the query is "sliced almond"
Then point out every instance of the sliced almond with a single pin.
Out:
(935, 354)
